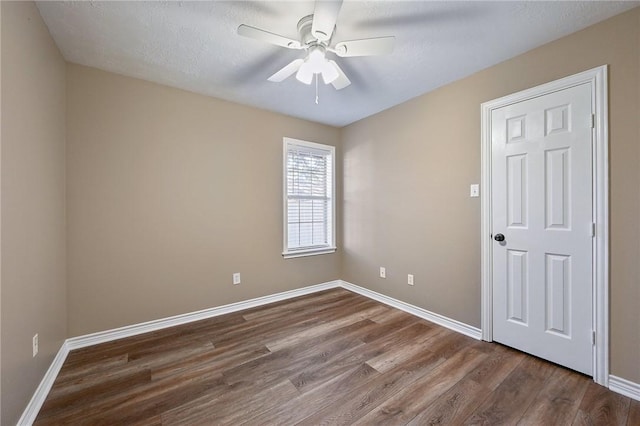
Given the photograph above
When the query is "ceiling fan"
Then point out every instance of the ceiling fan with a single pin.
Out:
(315, 38)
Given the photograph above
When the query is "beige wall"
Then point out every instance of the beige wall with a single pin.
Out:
(0, 216)
(168, 194)
(407, 172)
(33, 198)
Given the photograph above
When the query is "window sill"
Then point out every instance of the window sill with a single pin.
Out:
(310, 252)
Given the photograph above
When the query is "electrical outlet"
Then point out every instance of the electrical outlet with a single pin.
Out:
(474, 190)
(383, 272)
(236, 278)
(35, 344)
(410, 279)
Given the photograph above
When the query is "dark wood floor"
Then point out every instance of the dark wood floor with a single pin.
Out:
(328, 358)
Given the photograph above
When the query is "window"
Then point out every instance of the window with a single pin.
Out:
(309, 204)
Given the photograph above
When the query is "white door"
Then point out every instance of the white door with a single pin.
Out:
(542, 205)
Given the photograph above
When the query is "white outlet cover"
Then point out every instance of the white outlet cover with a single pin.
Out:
(410, 279)
(35, 344)
(236, 278)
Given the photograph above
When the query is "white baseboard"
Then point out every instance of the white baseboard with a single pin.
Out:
(33, 408)
(616, 384)
(145, 327)
(624, 387)
(449, 323)
(31, 412)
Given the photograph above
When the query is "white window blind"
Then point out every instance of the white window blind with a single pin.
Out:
(309, 204)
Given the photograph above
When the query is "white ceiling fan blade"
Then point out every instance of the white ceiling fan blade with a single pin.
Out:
(287, 71)
(365, 47)
(342, 81)
(325, 16)
(262, 35)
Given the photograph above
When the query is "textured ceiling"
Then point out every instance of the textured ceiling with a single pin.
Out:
(194, 46)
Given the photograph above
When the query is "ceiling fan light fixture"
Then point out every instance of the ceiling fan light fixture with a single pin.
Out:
(317, 58)
(316, 63)
(329, 72)
(305, 73)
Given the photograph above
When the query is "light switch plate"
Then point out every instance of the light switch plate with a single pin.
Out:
(474, 190)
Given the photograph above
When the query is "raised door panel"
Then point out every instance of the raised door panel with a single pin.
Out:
(517, 286)
(557, 197)
(517, 191)
(558, 294)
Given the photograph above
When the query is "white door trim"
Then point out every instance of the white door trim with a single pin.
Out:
(597, 78)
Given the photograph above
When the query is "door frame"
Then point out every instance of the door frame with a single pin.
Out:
(597, 78)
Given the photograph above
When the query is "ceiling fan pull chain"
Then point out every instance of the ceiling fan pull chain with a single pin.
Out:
(316, 89)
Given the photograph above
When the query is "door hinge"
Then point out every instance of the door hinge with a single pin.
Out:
(593, 121)
(593, 337)
(593, 230)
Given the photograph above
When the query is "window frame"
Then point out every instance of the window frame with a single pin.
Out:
(315, 250)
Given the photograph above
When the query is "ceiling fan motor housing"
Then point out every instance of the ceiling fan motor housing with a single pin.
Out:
(306, 37)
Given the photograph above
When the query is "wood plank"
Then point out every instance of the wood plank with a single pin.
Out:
(313, 375)
(390, 328)
(292, 359)
(634, 414)
(390, 314)
(139, 407)
(501, 362)
(454, 405)
(450, 343)
(125, 345)
(317, 302)
(66, 404)
(230, 407)
(514, 395)
(90, 367)
(373, 393)
(119, 371)
(218, 358)
(139, 402)
(286, 325)
(600, 406)
(317, 374)
(395, 356)
(559, 399)
(327, 394)
(416, 397)
(316, 331)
